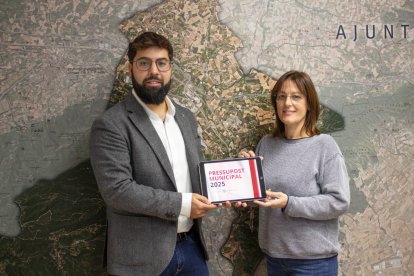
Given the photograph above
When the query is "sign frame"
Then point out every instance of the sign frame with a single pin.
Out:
(247, 172)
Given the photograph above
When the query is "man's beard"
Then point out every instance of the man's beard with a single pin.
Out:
(151, 95)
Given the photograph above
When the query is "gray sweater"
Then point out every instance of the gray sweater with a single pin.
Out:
(312, 172)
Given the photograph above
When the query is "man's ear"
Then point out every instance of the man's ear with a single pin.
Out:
(130, 68)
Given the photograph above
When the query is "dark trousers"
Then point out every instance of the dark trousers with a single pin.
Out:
(302, 267)
(188, 257)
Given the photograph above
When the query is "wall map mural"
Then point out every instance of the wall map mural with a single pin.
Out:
(63, 63)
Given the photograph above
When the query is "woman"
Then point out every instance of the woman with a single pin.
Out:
(307, 182)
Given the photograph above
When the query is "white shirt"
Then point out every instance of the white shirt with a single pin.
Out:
(172, 139)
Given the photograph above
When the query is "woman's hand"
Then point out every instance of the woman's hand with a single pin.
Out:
(244, 153)
(273, 200)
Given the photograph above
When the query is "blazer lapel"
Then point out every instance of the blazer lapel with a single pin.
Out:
(188, 136)
(140, 119)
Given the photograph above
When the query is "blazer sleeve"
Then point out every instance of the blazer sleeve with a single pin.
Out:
(110, 153)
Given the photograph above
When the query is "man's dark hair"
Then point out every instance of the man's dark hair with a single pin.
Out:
(147, 40)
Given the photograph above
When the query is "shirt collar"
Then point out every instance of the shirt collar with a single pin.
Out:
(152, 114)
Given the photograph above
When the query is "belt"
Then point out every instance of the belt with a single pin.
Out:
(183, 235)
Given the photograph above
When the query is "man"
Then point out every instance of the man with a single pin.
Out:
(145, 153)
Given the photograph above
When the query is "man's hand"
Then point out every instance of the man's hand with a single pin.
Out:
(237, 204)
(200, 206)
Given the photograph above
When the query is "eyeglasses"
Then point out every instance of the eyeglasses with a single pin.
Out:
(283, 97)
(144, 64)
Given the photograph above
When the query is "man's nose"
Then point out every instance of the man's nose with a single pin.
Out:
(153, 69)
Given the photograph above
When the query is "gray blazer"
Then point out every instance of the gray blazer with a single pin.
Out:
(136, 181)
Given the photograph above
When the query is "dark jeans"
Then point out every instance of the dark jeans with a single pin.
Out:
(188, 258)
(302, 267)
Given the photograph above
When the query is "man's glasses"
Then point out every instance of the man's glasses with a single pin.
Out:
(283, 97)
(144, 64)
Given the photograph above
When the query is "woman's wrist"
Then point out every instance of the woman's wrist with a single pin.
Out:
(287, 201)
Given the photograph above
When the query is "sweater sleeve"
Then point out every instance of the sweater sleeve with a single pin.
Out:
(334, 198)
(258, 147)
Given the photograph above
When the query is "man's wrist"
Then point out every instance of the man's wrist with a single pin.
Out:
(186, 204)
